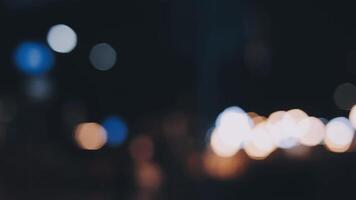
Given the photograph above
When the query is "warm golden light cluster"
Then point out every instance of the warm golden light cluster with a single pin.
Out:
(259, 136)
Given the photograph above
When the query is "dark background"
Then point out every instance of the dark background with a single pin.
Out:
(192, 58)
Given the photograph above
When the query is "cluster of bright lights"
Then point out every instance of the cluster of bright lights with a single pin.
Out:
(231, 130)
(93, 136)
(259, 136)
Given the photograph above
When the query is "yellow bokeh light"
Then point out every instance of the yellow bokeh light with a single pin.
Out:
(90, 136)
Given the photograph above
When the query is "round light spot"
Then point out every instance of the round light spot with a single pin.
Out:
(61, 38)
(33, 58)
(90, 136)
(339, 134)
(297, 114)
(231, 115)
(345, 96)
(221, 147)
(312, 131)
(102, 56)
(260, 144)
(116, 130)
(283, 129)
(233, 126)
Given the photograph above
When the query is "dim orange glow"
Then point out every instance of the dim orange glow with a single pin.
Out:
(90, 136)
(252, 115)
(223, 168)
(256, 118)
(259, 119)
(142, 148)
(194, 164)
(148, 176)
(299, 151)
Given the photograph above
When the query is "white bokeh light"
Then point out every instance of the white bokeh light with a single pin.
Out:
(297, 114)
(61, 38)
(220, 147)
(284, 129)
(339, 135)
(233, 126)
(259, 143)
(312, 131)
(230, 115)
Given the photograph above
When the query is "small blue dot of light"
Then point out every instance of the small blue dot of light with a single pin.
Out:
(33, 58)
(116, 130)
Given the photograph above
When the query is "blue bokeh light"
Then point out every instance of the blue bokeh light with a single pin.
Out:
(116, 130)
(33, 58)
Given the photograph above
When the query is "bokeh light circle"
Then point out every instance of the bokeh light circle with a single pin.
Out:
(283, 128)
(233, 126)
(339, 135)
(103, 56)
(90, 136)
(62, 38)
(116, 130)
(259, 144)
(220, 147)
(232, 115)
(345, 96)
(33, 58)
(312, 131)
